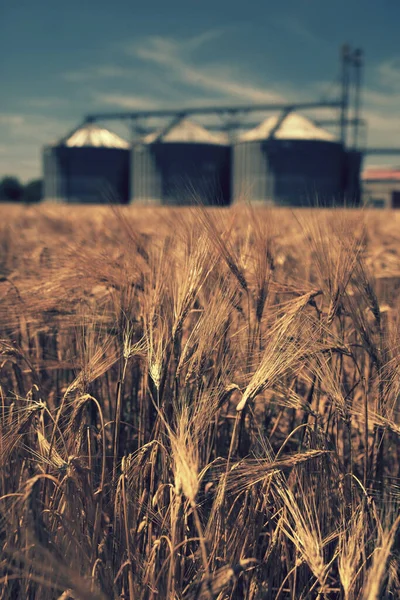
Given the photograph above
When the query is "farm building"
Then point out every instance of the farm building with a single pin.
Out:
(282, 161)
(181, 164)
(381, 187)
(90, 165)
(288, 161)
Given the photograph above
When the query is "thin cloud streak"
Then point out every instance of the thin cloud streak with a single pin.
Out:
(388, 73)
(98, 73)
(50, 102)
(171, 55)
(297, 28)
(129, 102)
(24, 135)
(31, 128)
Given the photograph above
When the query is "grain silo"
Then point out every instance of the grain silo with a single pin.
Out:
(352, 177)
(288, 161)
(182, 164)
(90, 165)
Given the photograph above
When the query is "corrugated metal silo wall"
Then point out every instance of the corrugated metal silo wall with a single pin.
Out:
(288, 172)
(352, 177)
(181, 173)
(86, 175)
(51, 175)
(145, 176)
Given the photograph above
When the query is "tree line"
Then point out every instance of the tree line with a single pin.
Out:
(12, 190)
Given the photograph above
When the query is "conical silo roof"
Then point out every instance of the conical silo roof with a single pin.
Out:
(293, 127)
(185, 131)
(91, 135)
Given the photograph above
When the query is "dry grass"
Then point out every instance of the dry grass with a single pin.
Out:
(199, 404)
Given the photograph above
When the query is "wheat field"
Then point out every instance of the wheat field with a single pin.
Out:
(199, 403)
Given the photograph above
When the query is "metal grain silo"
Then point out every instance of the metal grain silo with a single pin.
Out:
(287, 161)
(182, 164)
(91, 165)
(352, 177)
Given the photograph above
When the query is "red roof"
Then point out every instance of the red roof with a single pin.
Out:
(383, 173)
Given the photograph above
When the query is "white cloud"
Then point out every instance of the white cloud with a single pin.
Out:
(10, 120)
(23, 136)
(295, 27)
(98, 73)
(223, 80)
(196, 42)
(31, 128)
(49, 102)
(389, 73)
(127, 101)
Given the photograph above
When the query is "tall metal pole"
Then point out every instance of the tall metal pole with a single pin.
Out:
(358, 64)
(345, 58)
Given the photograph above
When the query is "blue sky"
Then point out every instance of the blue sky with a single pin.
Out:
(60, 61)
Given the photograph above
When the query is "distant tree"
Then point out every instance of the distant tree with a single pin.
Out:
(11, 189)
(33, 191)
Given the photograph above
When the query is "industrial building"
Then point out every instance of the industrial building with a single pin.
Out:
(90, 165)
(285, 160)
(181, 164)
(288, 161)
(381, 187)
